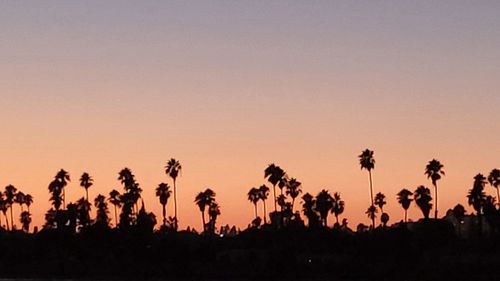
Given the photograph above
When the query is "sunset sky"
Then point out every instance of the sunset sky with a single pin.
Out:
(227, 87)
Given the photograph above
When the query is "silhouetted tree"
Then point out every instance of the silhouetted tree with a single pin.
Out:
(4, 208)
(204, 199)
(309, 210)
(10, 195)
(477, 198)
(324, 203)
(83, 212)
(86, 182)
(293, 188)
(380, 201)
(384, 219)
(404, 198)
(163, 193)
(19, 199)
(263, 194)
(102, 218)
(28, 200)
(145, 221)
(129, 198)
(213, 213)
(25, 221)
(367, 162)
(62, 177)
(372, 214)
(254, 197)
(494, 180)
(434, 171)
(337, 206)
(172, 169)
(274, 175)
(114, 198)
(423, 200)
(459, 214)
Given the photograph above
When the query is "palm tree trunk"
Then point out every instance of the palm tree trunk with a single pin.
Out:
(274, 192)
(203, 220)
(436, 207)
(371, 186)
(293, 202)
(175, 207)
(255, 205)
(265, 214)
(11, 218)
(6, 221)
(164, 214)
(337, 218)
(87, 194)
(64, 198)
(116, 218)
(406, 215)
(373, 223)
(498, 196)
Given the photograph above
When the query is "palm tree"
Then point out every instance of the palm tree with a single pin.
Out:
(86, 182)
(204, 199)
(309, 210)
(423, 199)
(163, 193)
(62, 177)
(372, 214)
(254, 197)
(367, 162)
(3, 209)
(404, 198)
(213, 213)
(28, 200)
(384, 219)
(477, 198)
(114, 198)
(337, 206)
(293, 188)
(434, 171)
(172, 169)
(19, 199)
(25, 221)
(324, 203)
(459, 214)
(10, 195)
(494, 180)
(263, 194)
(380, 201)
(102, 211)
(274, 175)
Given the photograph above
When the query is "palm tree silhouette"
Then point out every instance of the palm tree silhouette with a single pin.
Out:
(293, 188)
(384, 219)
(86, 182)
(10, 195)
(434, 171)
(19, 199)
(423, 200)
(163, 193)
(102, 211)
(28, 200)
(172, 169)
(274, 175)
(367, 162)
(404, 198)
(204, 199)
(114, 198)
(494, 180)
(4, 208)
(263, 194)
(380, 201)
(459, 213)
(324, 203)
(477, 198)
(213, 213)
(254, 197)
(62, 177)
(309, 210)
(26, 221)
(338, 206)
(371, 212)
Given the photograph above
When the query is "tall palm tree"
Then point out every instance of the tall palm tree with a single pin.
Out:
(293, 188)
(62, 177)
(263, 194)
(28, 200)
(434, 171)
(371, 212)
(86, 182)
(163, 193)
(423, 200)
(254, 197)
(477, 198)
(324, 203)
(367, 162)
(10, 195)
(204, 199)
(274, 175)
(494, 180)
(337, 206)
(380, 201)
(114, 198)
(172, 169)
(404, 198)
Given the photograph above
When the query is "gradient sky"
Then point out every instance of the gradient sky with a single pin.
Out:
(227, 87)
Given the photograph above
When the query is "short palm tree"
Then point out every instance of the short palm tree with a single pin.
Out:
(371, 212)
(25, 221)
(10, 195)
(367, 162)
(293, 188)
(254, 197)
(338, 206)
(477, 198)
(114, 198)
(86, 182)
(404, 198)
(102, 211)
(494, 180)
(380, 201)
(434, 171)
(163, 193)
(324, 203)
(173, 169)
(274, 175)
(204, 199)
(423, 200)
(263, 194)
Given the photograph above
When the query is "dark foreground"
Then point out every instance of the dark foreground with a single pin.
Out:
(432, 252)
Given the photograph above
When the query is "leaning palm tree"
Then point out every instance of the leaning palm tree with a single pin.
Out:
(423, 200)
(172, 169)
(494, 180)
(371, 212)
(274, 175)
(367, 162)
(338, 206)
(263, 194)
(86, 182)
(10, 195)
(324, 203)
(114, 198)
(62, 177)
(204, 199)
(404, 198)
(477, 198)
(434, 171)
(163, 193)
(293, 188)
(380, 201)
(254, 197)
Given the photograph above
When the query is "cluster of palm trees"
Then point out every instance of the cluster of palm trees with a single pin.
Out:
(206, 199)
(12, 196)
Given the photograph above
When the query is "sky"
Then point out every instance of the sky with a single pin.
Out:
(228, 87)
